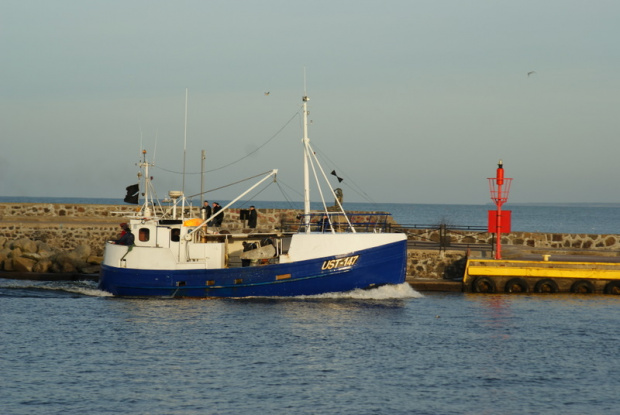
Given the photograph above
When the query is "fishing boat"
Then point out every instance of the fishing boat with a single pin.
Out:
(173, 256)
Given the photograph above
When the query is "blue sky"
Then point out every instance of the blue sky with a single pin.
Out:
(411, 101)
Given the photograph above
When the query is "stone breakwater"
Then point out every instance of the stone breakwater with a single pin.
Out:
(525, 239)
(81, 230)
(26, 255)
(449, 262)
(435, 265)
(66, 226)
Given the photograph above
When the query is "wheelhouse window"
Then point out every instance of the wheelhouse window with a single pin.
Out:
(144, 234)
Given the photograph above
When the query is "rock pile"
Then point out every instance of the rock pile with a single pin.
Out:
(26, 255)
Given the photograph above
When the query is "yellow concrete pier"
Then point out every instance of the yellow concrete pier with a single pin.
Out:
(524, 276)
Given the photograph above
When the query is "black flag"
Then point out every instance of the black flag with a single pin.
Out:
(339, 178)
(132, 194)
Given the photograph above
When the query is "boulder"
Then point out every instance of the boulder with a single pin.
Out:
(30, 255)
(94, 260)
(89, 269)
(46, 252)
(7, 265)
(43, 266)
(82, 252)
(64, 262)
(63, 267)
(25, 245)
(44, 247)
(4, 254)
(22, 264)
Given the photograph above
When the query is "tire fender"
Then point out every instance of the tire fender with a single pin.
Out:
(582, 287)
(613, 288)
(546, 285)
(516, 285)
(484, 285)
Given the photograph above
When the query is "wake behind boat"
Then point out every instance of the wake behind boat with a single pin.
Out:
(175, 257)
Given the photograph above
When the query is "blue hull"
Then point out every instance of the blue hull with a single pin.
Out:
(361, 269)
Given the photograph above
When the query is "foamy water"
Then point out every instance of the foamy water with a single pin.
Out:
(385, 292)
(86, 288)
(89, 288)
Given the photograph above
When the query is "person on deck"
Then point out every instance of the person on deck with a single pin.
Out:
(252, 218)
(206, 210)
(127, 237)
(324, 224)
(217, 221)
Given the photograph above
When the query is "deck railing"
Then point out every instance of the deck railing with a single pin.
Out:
(445, 236)
(322, 222)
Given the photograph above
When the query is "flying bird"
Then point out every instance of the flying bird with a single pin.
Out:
(267, 93)
(530, 73)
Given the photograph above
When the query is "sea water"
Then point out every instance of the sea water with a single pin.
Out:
(67, 348)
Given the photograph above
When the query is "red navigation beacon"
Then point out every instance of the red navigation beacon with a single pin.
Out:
(499, 221)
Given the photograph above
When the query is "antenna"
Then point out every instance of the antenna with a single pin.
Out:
(185, 141)
(305, 89)
(140, 127)
(202, 173)
(155, 149)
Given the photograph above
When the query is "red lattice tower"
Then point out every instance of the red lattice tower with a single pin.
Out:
(499, 192)
(499, 222)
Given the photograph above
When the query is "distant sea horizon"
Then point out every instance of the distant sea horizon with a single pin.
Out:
(119, 201)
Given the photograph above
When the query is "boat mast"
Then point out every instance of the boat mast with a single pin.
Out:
(306, 142)
(146, 209)
(184, 156)
(184, 142)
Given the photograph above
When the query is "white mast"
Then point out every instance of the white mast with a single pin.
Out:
(184, 156)
(147, 183)
(184, 141)
(306, 142)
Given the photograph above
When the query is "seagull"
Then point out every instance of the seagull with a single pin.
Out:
(267, 93)
(530, 73)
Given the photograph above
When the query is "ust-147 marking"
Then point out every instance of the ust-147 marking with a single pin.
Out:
(341, 262)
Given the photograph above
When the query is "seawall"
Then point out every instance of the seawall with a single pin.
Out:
(525, 239)
(448, 259)
(67, 226)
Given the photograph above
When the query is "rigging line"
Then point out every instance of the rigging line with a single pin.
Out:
(312, 161)
(344, 173)
(247, 155)
(314, 156)
(256, 195)
(288, 199)
(356, 188)
(361, 193)
(231, 184)
(172, 171)
(290, 187)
